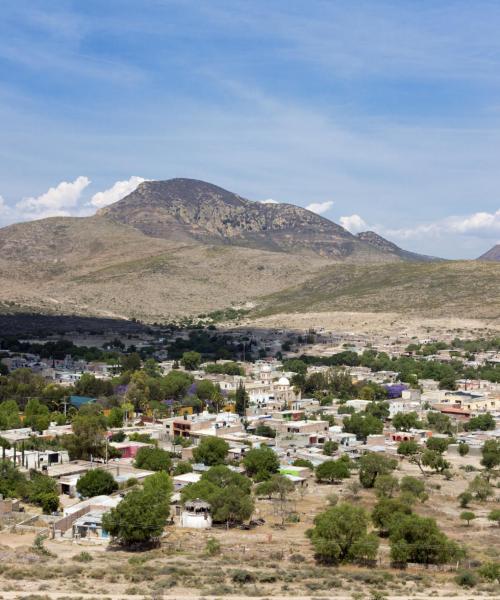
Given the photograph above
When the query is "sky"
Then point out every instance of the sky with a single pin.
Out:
(381, 115)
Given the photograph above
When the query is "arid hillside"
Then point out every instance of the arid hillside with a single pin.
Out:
(185, 247)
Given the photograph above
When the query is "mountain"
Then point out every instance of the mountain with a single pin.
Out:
(492, 255)
(187, 209)
(379, 242)
(186, 247)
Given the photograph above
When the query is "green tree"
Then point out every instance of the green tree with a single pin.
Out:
(388, 510)
(437, 444)
(406, 421)
(302, 462)
(9, 415)
(490, 454)
(494, 516)
(340, 534)
(265, 431)
(227, 492)
(480, 488)
(211, 451)
(330, 447)
(139, 519)
(439, 422)
(468, 516)
(115, 417)
(482, 422)
(153, 459)
(160, 487)
(191, 360)
(386, 485)
(89, 427)
(371, 465)
(130, 362)
(419, 540)
(241, 399)
(415, 487)
(434, 460)
(261, 463)
(42, 490)
(363, 425)
(332, 471)
(96, 482)
(36, 415)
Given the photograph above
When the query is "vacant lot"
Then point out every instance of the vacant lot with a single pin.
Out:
(269, 561)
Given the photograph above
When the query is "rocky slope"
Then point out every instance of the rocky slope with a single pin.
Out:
(187, 209)
(492, 255)
(380, 243)
(185, 247)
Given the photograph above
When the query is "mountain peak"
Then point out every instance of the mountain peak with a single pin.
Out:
(492, 255)
(187, 209)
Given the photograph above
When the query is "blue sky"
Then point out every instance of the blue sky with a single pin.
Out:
(381, 115)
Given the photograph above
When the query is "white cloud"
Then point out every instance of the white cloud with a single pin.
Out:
(320, 207)
(116, 192)
(269, 201)
(3, 206)
(479, 223)
(57, 201)
(353, 223)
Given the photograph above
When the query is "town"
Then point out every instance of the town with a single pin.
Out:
(273, 448)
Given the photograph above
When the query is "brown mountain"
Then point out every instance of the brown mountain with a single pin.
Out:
(492, 255)
(187, 209)
(379, 242)
(185, 247)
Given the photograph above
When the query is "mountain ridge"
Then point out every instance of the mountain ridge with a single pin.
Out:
(185, 247)
(183, 209)
(492, 255)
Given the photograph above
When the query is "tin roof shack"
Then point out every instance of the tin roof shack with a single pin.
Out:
(89, 527)
(196, 515)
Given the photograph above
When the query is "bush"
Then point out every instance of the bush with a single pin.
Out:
(466, 579)
(241, 577)
(212, 547)
(490, 571)
(465, 498)
(96, 482)
(83, 557)
(182, 467)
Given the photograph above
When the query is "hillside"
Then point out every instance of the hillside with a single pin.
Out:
(184, 247)
(451, 288)
(380, 243)
(188, 209)
(493, 254)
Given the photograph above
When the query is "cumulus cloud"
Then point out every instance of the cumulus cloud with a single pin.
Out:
(116, 192)
(57, 201)
(479, 223)
(353, 223)
(269, 201)
(320, 207)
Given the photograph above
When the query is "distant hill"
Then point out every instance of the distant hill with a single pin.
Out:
(379, 242)
(185, 247)
(492, 255)
(187, 209)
